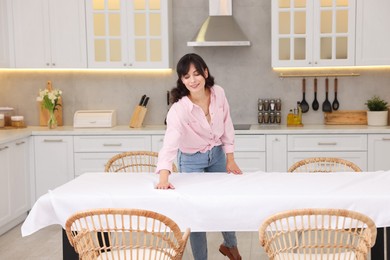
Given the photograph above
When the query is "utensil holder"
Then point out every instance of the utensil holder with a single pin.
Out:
(138, 117)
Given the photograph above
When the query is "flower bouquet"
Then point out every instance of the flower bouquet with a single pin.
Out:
(51, 101)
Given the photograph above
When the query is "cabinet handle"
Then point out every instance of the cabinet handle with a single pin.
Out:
(52, 140)
(3, 148)
(276, 140)
(53, 64)
(327, 143)
(385, 139)
(47, 64)
(124, 64)
(112, 144)
(20, 143)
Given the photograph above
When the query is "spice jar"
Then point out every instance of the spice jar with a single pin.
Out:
(17, 121)
(2, 121)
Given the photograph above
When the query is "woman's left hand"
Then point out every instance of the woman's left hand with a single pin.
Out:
(232, 167)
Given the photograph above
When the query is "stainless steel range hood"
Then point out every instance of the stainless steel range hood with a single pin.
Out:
(220, 28)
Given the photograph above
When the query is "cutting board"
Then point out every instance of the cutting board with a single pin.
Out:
(346, 117)
(44, 114)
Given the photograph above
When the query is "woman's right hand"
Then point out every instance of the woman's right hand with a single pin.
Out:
(164, 186)
(164, 183)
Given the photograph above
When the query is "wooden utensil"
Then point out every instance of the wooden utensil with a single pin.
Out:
(335, 104)
(304, 104)
(315, 105)
(326, 106)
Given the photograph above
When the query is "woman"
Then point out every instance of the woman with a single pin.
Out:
(199, 132)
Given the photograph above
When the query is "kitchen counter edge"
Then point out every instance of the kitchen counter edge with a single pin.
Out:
(14, 134)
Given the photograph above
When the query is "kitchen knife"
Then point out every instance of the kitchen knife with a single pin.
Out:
(145, 102)
(142, 100)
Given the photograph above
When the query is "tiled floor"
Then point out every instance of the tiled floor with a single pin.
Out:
(47, 244)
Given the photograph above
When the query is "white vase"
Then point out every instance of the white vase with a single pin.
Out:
(377, 118)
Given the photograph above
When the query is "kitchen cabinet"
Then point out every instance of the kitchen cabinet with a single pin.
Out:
(91, 153)
(49, 34)
(4, 35)
(249, 152)
(352, 147)
(313, 33)
(378, 152)
(276, 153)
(14, 183)
(53, 162)
(129, 34)
(372, 34)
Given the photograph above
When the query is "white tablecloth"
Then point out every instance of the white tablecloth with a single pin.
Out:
(216, 201)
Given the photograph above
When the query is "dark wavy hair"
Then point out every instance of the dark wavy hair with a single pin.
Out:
(182, 68)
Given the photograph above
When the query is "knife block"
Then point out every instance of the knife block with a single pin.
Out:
(138, 117)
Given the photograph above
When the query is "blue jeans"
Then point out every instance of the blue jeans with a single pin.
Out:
(210, 161)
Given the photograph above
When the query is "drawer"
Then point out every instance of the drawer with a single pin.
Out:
(327, 142)
(250, 161)
(91, 162)
(112, 143)
(358, 158)
(249, 143)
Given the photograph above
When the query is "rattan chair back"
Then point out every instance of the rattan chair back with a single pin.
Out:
(125, 234)
(324, 164)
(137, 161)
(317, 234)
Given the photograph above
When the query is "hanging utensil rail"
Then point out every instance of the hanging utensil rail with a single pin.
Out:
(283, 75)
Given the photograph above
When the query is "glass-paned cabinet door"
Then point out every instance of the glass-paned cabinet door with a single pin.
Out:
(150, 43)
(106, 35)
(291, 33)
(334, 32)
(129, 33)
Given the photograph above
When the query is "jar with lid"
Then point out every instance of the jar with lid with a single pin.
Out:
(7, 112)
(2, 120)
(17, 121)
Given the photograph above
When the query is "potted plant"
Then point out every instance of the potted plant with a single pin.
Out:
(378, 111)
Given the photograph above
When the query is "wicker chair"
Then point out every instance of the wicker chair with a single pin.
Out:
(324, 164)
(137, 161)
(326, 234)
(128, 234)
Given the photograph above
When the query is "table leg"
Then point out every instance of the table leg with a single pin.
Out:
(381, 249)
(68, 252)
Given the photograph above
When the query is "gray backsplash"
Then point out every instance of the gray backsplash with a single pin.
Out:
(244, 72)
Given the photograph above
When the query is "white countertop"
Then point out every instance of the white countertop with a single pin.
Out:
(13, 134)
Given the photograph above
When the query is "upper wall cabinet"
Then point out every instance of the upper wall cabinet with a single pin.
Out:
(4, 35)
(313, 33)
(128, 33)
(372, 32)
(49, 33)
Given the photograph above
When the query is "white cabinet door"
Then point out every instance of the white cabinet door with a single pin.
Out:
(53, 162)
(5, 36)
(5, 207)
(49, 34)
(20, 177)
(276, 153)
(378, 152)
(128, 34)
(313, 33)
(372, 34)
(249, 152)
(14, 183)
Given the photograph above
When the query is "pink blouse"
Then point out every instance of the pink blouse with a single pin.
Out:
(189, 130)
